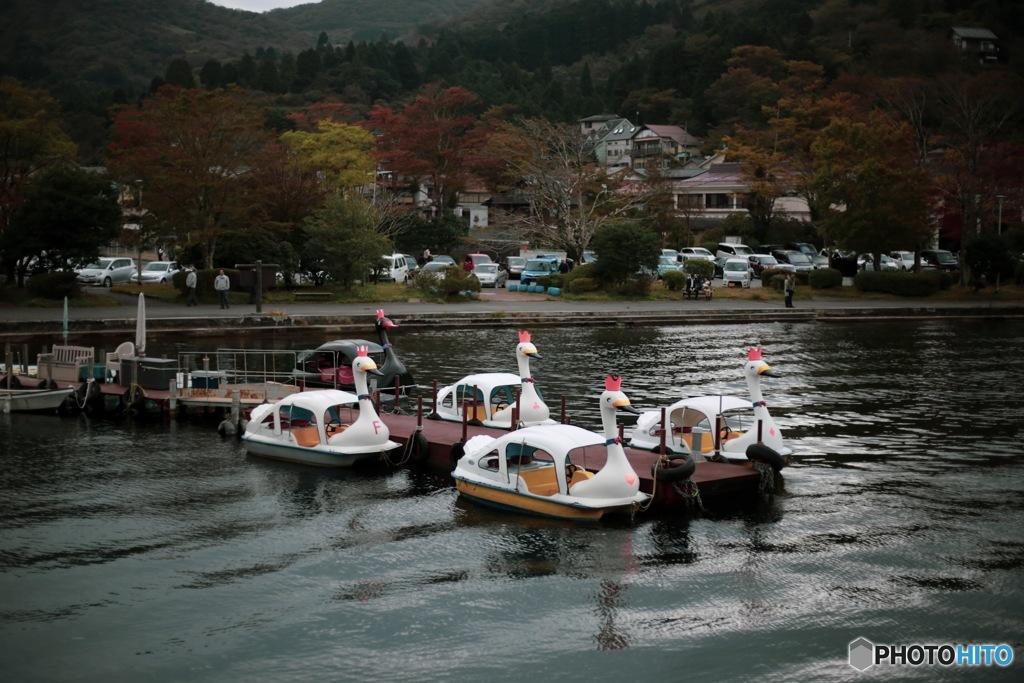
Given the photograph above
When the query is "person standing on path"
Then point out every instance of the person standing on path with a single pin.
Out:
(789, 287)
(191, 280)
(222, 284)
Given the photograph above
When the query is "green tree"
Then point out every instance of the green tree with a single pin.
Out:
(340, 154)
(341, 241)
(867, 174)
(624, 250)
(195, 153)
(31, 139)
(67, 215)
(179, 74)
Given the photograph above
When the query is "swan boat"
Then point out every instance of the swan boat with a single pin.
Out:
(530, 470)
(732, 428)
(324, 427)
(491, 398)
(329, 365)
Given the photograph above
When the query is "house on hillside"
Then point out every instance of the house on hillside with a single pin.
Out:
(592, 125)
(614, 143)
(979, 43)
(722, 190)
(657, 142)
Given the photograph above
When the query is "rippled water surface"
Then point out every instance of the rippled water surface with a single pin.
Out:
(160, 551)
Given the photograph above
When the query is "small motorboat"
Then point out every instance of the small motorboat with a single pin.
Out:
(490, 398)
(719, 427)
(325, 427)
(34, 400)
(330, 364)
(531, 470)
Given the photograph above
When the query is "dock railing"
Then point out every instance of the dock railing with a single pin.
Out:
(208, 369)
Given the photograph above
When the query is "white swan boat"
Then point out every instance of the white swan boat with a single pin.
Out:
(530, 470)
(719, 427)
(325, 427)
(490, 398)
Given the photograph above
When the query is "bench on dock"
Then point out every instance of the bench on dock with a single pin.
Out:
(64, 363)
(312, 296)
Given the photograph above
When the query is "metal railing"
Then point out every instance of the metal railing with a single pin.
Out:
(241, 366)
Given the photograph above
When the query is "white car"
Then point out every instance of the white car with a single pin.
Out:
(107, 272)
(905, 259)
(159, 272)
(696, 252)
(736, 271)
(727, 250)
(491, 275)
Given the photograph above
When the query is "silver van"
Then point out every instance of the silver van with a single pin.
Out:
(107, 272)
(728, 250)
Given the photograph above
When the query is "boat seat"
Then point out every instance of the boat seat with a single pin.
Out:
(540, 482)
(578, 476)
(306, 437)
(480, 414)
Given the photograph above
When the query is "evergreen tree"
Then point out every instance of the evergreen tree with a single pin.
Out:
(179, 73)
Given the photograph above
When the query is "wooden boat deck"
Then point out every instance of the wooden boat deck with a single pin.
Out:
(714, 480)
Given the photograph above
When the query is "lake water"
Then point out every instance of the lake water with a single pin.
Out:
(160, 551)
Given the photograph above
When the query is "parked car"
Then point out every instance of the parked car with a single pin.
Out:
(413, 266)
(941, 259)
(514, 265)
(393, 268)
(819, 261)
(159, 272)
(491, 275)
(107, 272)
(797, 259)
(537, 268)
(444, 260)
(736, 271)
(435, 269)
(805, 247)
(905, 259)
(727, 250)
(480, 258)
(699, 252)
(761, 262)
(667, 263)
(672, 254)
(867, 262)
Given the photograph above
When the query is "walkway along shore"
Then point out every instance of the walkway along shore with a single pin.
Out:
(497, 309)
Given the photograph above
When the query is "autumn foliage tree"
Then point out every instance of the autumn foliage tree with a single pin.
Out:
(194, 152)
(867, 174)
(570, 195)
(433, 139)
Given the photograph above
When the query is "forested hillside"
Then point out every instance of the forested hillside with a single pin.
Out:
(657, 61)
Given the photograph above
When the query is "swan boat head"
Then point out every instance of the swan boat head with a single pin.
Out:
(616, 479)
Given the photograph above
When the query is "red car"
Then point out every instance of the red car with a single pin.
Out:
(761, 262)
